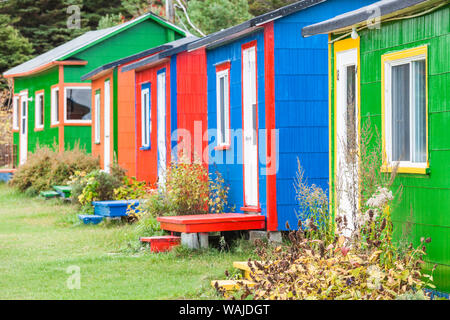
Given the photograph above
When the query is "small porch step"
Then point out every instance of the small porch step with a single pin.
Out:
(63, 191)
(161, 243)
(114, 208)
(231, 285)
(212, 222)
(87, 219)
(49, 194)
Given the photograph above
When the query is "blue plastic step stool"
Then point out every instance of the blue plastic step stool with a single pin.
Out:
(87, 219)
(113, 209)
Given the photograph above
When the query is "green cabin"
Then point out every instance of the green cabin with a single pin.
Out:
(390, 71)
(51, 105)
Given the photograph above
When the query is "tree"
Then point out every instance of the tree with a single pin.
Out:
(214, 15)
(94, 11)
(139, 7)
(42, 22)
(14, 48)
(110, 21)
(258, 7)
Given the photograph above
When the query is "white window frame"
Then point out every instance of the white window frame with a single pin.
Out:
(223, 141)
(54, 105)
(388, 112)
(65, 104)
(146, 122)
(97, 121)
(37, 114)
(16, 119)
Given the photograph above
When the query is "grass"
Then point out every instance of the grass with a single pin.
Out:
(40, 239)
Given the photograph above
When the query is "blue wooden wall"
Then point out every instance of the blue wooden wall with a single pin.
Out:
(233, 173)
(301, 105)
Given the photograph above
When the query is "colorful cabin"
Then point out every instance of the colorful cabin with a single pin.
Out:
(51, 104)
(268, 106)
(170, 103)
(393, 76)
(113, 114)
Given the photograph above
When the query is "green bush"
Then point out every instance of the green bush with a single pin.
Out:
(45, 168)
(96, 185)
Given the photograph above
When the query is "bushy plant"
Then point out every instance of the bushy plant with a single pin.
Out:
(313, 208)
(190, 189)
(46, 167)
(131, 189)
(96, 185)
(307, 269)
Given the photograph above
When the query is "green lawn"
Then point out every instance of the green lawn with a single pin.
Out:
(40, 239)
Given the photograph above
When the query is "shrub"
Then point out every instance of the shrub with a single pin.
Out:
(308, 270)
(45, 168)
(131, 189)
(96, 185)
(190, 189)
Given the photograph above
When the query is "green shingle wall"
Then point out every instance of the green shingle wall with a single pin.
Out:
(427, 195)
(42, 81)
(140, 37)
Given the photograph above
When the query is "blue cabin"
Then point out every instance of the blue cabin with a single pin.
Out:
(268, 105)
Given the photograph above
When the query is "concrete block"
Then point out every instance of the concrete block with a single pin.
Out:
(203, 239)
(272, 236)
(190, 240)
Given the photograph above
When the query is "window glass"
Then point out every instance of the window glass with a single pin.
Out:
(40, 110)
(400, 113)
(55, 105)
(97, 118)
(78, 104)
(419, 88)
(351, 108)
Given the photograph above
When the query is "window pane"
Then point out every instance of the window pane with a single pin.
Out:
(351, 108)
(222, 108)
(400, 113)
(41, 110)
(78, 104)
(56, 106)
(419, 101)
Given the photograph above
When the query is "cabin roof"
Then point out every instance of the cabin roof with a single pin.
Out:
(86, 40)
(174, 47)
(384, 9)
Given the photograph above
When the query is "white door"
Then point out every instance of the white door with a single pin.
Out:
(23, 128)
(107, 129)
(347, 136)
(250, 144)
(161, 121)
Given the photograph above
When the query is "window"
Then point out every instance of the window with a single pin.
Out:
(77, 104)
(405, 120)
(223, 108)
(16, 113)
(146, 122)
(39, 110)
(55, 106)
(97, 118)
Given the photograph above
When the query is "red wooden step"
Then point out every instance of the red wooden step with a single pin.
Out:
(213, 222)
(161, 243)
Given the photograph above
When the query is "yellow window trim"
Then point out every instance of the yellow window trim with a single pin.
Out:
(394, 56)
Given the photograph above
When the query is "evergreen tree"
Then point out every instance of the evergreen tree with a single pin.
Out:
(14, 48)
(258, 7)
(214, 15)
(42, 22)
